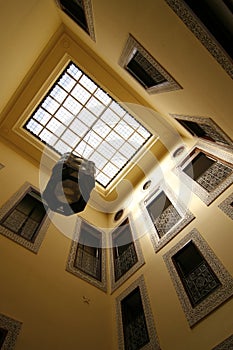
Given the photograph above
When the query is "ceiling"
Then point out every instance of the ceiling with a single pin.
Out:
(27, 27)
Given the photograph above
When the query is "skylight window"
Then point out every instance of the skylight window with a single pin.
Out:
(78, 116)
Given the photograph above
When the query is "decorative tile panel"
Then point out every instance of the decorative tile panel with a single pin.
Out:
(11, 329)
(140, 323)
(86, 6)
(227, 206)
(216, 179)
(15, 218)
(162, 79)
(217, 297)
(215, 175)
(83, 263)
(170, 222)
(129, 262)
(167, 220)
(125, 261)
(202, 34)
(227, 344)
(213, 132)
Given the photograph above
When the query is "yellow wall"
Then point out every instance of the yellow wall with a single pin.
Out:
(36, 289)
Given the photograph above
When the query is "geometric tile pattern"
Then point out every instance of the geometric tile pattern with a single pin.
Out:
(130, 260)
(167, 219)
(216, 179)
(11, 329)
(227, 206)
(87, 260)
(208, 129)
(195, 314)
(153, 341)
(157, 79)
(227, 344)
(170, 221)
(213, 176)
(24, 238)
(202, 34)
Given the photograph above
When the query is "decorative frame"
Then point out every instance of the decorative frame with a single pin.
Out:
(185, 213)
(202, 34)
(133, 45)
(32, 246)
(72, 254)
(218, 154)
(217, 297)
(227, 206)
(87, 4)
(140, 259)
(214, 129)
(154, 341)
(226, 344)
(13, 328)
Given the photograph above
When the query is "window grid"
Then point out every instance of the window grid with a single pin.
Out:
(78, 116)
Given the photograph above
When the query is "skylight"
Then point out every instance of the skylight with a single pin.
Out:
(78, 116)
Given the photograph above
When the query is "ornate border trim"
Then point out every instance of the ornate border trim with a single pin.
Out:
(226, 207)
(89, 17)
(13, 327)
(135, 267)
(227, 344)
(206, 121)
(216, 152)
(202, 34)
(185, 213)
(32, 246)
(215, 299)
(87, 4)
(71, 258)
(154, 341)
(126, 55)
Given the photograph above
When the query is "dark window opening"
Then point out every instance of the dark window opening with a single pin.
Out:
(204, 131)
(207, 172)
(75, 10)
(3, 334)
(195, 129)
(198, 165)
(134, 321)
(217, 16)
(196, 275)
(26, 217)
(89, 252)
(145, 73)
(124, 253)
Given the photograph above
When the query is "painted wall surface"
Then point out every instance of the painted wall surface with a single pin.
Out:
(36, 289)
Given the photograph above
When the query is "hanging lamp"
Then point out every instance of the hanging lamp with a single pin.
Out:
(69, 187)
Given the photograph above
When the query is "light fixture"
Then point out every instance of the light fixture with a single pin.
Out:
(118, 215)
(146, 185)
(69, 188)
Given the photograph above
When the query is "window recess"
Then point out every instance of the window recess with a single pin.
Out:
(165, 216)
